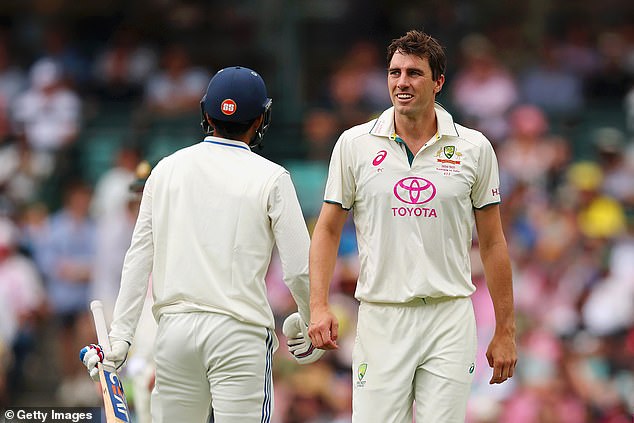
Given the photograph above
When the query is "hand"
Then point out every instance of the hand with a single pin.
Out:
(118, 352)
(502, 357)
(324, 329)
(90, 355)
(298, 341)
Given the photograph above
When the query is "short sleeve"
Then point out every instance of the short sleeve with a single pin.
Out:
(486, 189)
(341, 186)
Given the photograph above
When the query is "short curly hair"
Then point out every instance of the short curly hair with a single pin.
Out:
(422, 45)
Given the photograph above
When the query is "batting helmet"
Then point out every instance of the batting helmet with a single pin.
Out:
(236, 94)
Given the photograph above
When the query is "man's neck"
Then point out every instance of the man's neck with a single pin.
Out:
(415, 132)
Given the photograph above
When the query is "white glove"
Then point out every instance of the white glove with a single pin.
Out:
(118, 352)
(298, 341)
(90, 355)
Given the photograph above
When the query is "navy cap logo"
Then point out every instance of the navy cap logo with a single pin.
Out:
(228, 107)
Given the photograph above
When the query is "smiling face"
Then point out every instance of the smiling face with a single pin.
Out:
(411, 85)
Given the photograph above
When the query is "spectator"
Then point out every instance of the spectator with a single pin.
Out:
(612, 80)
(321, 130)
(58, 47)
(599, 216)
(112, 190)
(22, 172)
(176, 88)
(123, 66)
(115, 208)
(21, 286)
(483, 90)
(618, 175)
(531, 155)
(576, 52)
(549, 86)
(12, 78)
(365, 57)
(48, 115)
(68, 258)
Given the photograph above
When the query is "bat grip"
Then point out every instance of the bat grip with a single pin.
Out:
(100, 325)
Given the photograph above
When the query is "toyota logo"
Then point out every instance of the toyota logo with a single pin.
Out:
(414, 190)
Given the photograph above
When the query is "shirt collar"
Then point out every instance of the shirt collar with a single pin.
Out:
(226, 142)
(384, 125)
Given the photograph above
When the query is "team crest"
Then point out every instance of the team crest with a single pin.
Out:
(449, 160)
(363, 367)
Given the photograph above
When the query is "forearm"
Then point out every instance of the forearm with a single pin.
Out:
(323, 258)
(497, 269)
(293, 244)
(132, 294)
(292, 239)
(137, 267)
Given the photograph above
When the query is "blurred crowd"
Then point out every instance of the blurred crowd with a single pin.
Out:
(562, 125)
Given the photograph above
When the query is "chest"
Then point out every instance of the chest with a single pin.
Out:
(438, 175)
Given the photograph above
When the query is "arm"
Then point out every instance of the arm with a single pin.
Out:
(292, 240)
(323, 329)
(135, 275)
(501, 354)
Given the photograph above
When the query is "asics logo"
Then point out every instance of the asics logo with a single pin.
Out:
(414, 190)
(380, 156)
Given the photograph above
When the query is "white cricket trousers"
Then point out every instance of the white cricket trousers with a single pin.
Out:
(210, 360)
(422, 351)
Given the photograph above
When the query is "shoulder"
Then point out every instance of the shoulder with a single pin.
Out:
(472, 136)
(265, 164)
(359, 132)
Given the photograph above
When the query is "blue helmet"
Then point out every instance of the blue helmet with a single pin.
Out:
(236, 94)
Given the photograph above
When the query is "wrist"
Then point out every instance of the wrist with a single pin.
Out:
(319, 307)
(505, 329)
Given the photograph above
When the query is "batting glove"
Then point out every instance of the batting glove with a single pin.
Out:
(298, 341)
(118, 352)
(90, 355)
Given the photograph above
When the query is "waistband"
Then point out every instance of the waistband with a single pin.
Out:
(420, 301)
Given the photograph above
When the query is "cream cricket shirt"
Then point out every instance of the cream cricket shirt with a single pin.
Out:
(414, 220)
(209, 218)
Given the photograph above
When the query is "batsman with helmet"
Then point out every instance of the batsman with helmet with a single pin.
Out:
(209, 217)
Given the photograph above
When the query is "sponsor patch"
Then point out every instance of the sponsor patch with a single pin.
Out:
(228, 107)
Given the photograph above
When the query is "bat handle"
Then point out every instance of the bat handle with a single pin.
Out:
(96, 307)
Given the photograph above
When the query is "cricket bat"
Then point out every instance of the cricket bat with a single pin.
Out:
(114, 402)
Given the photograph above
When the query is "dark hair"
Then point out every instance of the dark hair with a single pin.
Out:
(422, 45)
(231, 129)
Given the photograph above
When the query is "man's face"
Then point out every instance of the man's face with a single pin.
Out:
(412, 88)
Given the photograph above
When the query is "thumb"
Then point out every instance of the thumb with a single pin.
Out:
(292, 326)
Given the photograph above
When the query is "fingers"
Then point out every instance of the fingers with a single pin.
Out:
(94, 374)
(334, 330)
(90, 355)
(324, 335)
(92, 360)
(502, 370)
(296, 344)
